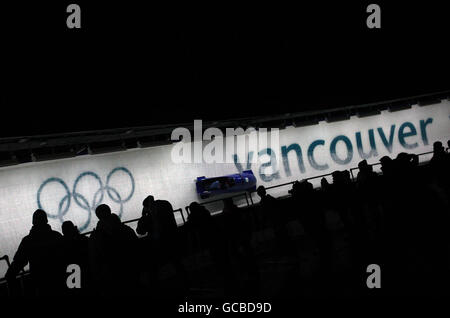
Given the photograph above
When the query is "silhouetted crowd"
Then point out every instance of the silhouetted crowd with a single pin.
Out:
(398, 219)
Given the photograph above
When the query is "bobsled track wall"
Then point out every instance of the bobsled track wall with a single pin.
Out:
(70, 189)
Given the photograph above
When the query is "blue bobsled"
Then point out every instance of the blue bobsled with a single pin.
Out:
(237, 182)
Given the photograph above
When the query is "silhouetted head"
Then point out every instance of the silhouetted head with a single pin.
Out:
(69, 229)
(448, 143)
(261, 191)
(198, 215)
(103, 211)
(296, 188)
(39, 217)
(385, 160)
(307, 186)
(337, 176)
(346, 176)
(402, 157)
(406, 160)
(163, 206)
(148, 201)
(437, 147)
(197, 208)
(362, 165)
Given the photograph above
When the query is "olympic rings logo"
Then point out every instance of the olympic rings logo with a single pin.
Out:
(81, 201)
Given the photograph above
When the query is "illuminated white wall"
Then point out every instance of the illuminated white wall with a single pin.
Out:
(133, 174)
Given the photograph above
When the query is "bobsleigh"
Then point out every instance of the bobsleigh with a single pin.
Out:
(238, 182)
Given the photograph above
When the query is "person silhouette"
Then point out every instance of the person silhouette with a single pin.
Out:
(113, 254)
(386, 165)
(238, 231)
(126, 244)
(269, 209)
(199, 216)
(102, 252)
(211, 236)
(162, 241)
(204, 229)
(438, 149)
(42, 250)
(273, 215)
(262, 193)
(440, 165)
(75, 247)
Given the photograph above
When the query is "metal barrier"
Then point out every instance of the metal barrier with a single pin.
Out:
(247, 195)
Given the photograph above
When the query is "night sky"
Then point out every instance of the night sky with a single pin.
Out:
(133, 65)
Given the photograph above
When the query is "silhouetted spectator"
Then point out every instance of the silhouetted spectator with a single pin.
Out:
(346, 177)
(311, 216)
(158, 221)
(324, 184)
(262, 193)
(145, 221)
(209, 234)
(199, 216)
(438, 150)
(103, 252)
(387, 165)
(405, 163)
(237, 229)
(126, 242)
(270, 210)
(234, 220)
(75, 247)
(365, 174)
(440, 158)
(338, 178)
(42, 249)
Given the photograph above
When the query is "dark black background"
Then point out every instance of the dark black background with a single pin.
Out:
(135, 64)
